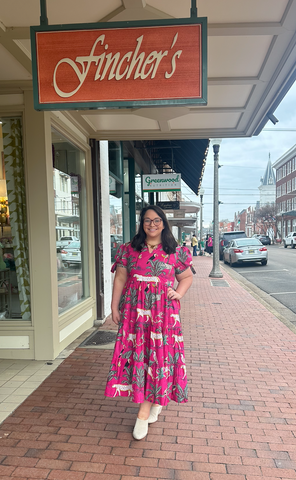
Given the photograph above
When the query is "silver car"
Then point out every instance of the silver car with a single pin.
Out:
(71, 254)
(245, 250)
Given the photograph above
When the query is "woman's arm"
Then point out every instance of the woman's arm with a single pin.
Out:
(119, 282)
(184, 280)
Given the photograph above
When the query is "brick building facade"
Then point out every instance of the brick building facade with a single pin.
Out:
(285, 168)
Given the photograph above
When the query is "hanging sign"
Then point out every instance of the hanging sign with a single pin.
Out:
(112, 185)
(124, 64)
(170, 182)
(173, 205)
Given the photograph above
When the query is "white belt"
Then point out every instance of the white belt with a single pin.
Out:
(141, 278)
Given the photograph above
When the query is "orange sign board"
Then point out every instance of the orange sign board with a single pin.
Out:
(139, 64)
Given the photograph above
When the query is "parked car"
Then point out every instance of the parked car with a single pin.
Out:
(290, 240)
(244, 250)
(116, 241)
(265, 239)
(71, 254)
(64, 241)
(226, 237)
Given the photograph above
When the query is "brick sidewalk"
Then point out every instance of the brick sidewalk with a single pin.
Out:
(240, 423)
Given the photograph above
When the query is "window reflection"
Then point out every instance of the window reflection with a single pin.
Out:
(70, 222)
(116, 231)
(115, 158)
(116, 187)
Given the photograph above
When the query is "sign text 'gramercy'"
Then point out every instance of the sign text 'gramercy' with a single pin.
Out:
(102, 66)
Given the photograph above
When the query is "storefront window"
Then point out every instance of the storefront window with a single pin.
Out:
(14, 254)
(126, 202)
(116, 230)
(142, 198)
(138, 185)
(116, 196)
(289, 226)
(70, 222)
(115, 156)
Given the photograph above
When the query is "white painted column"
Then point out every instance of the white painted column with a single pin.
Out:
(41, 222)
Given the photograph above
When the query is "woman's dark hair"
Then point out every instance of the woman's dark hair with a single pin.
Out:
(168, 241)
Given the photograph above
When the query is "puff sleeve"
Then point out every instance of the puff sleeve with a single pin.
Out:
(120, 258)
(184, 260)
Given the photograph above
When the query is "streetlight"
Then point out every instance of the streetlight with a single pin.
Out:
(201, 194)
(216, 272)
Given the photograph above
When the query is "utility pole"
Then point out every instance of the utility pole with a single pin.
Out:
(216, 272)
(201, 194)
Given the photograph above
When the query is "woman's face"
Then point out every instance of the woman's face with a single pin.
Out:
(153, 226)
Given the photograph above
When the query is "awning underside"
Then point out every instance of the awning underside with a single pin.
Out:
(187, 157)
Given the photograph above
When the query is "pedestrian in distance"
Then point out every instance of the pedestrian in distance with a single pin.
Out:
(202, 247)
(148, 362)
(209, 248)
(194, 244)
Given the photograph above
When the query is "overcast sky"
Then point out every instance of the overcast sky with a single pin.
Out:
(244, 162)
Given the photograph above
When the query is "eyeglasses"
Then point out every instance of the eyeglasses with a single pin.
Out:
(156, 221)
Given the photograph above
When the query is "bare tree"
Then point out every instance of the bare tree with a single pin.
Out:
(265, 219)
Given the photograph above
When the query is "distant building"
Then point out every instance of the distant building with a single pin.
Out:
(244, 220)
(240, 220)
(285, 168)
(226, 226)
(268, 186)
(259, 219)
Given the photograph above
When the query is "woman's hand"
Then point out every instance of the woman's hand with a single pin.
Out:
(173, 295)
(119, 282)
(116, 316)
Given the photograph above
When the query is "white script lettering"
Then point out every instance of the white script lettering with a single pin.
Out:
(133, 64)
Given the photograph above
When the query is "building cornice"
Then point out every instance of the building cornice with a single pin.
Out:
(285, 158)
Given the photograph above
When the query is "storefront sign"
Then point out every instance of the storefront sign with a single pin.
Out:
(168, 205)
(121, 64)
(179, 213)
(170, 182)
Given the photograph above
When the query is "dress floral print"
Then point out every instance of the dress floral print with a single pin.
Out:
(148, 361)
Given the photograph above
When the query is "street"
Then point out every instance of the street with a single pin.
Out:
(277, 278)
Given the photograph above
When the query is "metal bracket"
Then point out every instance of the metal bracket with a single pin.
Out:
(193, 11)
(43, 16)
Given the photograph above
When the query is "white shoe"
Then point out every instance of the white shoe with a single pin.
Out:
(140, 429)
(154, 412)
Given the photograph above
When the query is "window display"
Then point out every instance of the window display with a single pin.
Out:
(14, 254)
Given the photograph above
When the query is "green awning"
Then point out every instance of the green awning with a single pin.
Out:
(187, 157)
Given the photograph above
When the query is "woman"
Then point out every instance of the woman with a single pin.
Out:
(148, 362)
(210, 245)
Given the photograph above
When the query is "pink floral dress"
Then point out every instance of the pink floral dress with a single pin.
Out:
(148, 361)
